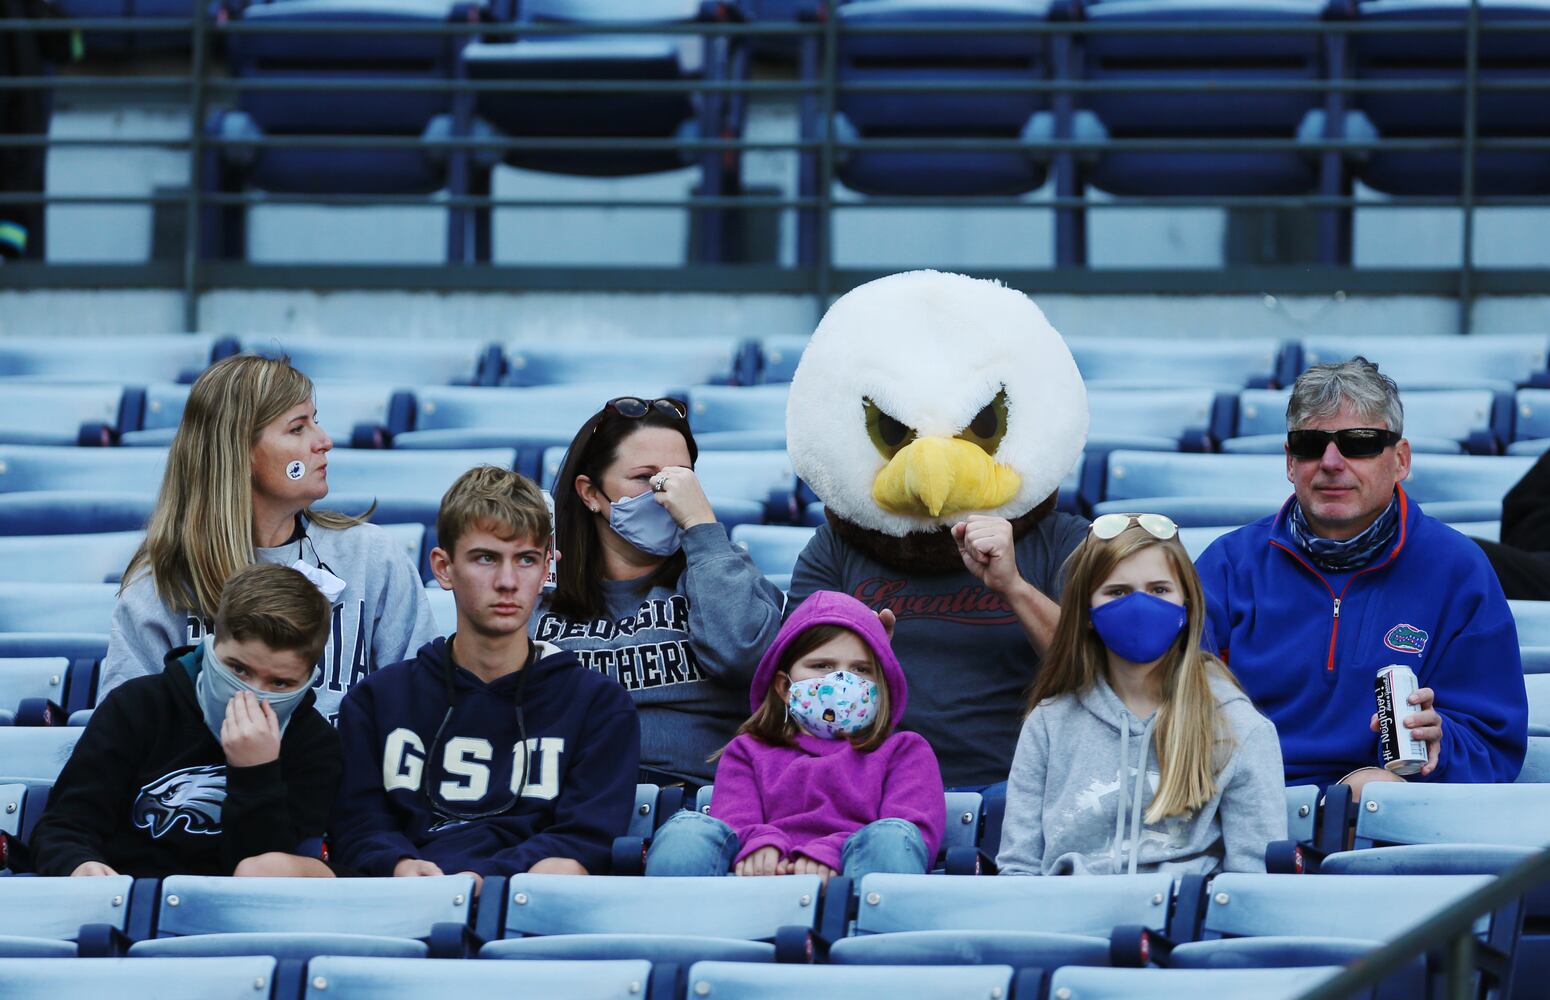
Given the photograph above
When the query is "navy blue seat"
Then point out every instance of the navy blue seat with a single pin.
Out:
(774, 358)
(1531, 425)
(1440, 57)
(69, 512)
(138, 359)
(623, 114)
(60, 414)
(332, 977)
(246, 978)
(235, 167)
(44, 917)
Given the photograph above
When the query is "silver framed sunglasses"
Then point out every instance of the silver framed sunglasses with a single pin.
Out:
(1159, 526)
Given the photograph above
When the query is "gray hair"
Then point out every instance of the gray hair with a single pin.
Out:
(1323, 389)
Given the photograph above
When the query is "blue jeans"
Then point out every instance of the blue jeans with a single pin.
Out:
(692, 843)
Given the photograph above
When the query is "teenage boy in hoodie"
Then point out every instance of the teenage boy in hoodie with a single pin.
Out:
(217, 765)
(489, 753)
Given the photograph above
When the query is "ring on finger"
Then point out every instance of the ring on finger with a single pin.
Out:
(659, 484)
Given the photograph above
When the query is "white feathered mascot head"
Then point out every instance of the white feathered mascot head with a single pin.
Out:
(924, 397)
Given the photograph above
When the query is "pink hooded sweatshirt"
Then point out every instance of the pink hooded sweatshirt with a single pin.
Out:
(808, 798)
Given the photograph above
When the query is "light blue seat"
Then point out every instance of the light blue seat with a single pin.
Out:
(1536, 762)
(1395, 814)
(773, 547)
(428, 361)
(70, 645)
(948, 919)
(1491, 531)
(1445, 421)
(778, 354)
(1536, 659)
(355, 414)
(91, 470)
(1149, 419)
(301, 918)
(42, 917)
(57, 607)
(443, 608)
(332, 977)
(1538, 688)
(1197, 540)
(1464, 487)
(405, 485)
(1168, 362)
(1498, 362)
(743, 418)
(1534, 447)
(1195, 490)
(739, 484)
(656, 919)
(1077, 983)
(244, 978)
(139, 360)
(35, 753)
(59, 414)
(1531, 421)
(678, 361)
(410, 538)
(740, 981)
(33, 677)
(66, 512)
(95, 558)
(1267, 921)
(1532, 619)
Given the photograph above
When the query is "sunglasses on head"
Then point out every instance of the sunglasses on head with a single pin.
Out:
(633, 407)
(1159, 526)
(1353, 442)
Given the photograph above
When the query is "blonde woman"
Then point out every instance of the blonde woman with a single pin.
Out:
(1140, 752)
(247, 464)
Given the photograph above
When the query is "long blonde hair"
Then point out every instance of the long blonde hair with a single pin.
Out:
(1191, 738)
(201, 531)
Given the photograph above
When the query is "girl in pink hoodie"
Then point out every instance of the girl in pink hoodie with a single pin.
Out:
(817, 781)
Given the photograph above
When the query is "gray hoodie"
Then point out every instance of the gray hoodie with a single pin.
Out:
(1074, 805)
(380, 618)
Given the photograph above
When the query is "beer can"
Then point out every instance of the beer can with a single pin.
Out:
(1402, 753)
(551, 580)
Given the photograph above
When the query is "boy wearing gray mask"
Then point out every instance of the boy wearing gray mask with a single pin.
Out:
(218, 765)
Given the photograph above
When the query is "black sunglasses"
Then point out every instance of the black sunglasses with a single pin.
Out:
(1353, 442)
(633, 407)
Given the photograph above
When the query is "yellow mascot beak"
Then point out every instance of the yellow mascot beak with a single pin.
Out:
(938, 476)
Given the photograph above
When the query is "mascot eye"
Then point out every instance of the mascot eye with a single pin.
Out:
(988, 426)
(888, 435)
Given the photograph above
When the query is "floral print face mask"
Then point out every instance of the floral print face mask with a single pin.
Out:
(834, 705)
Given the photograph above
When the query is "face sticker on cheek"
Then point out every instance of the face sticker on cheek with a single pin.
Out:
(295, 470)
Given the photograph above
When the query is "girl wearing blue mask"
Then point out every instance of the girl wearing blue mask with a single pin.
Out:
(1140, 752)
(650, 590)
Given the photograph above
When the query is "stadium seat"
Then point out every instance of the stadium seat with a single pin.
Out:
(332, 977)
(1536, 763)
(137, 360)
(622, 114)
(657, 919)
(87, 470)
(644, 817)
(45, 917)
(35, 753)
(1533, 622)
(774, 358)
(443, 608)
(33, 677)
(360, 415)
(71, 645)
(243, 978)
(1168, 362)
(13, 796)
(73, 414)
(1531, 427)
(1197, 540)
(949, 920)
(300, 918)
(405, 485)
(1498, 362)
(69, 512)
(738, 418)
(773, 548)
(1538, 687)
(1077, 983)
(438, 361)
(1444, 421)
(1150, 419)
(1500, 112)
(232, 166)
(743, 981)
(1302, 806)
(646, 362)
(97, 558)
(57, 607)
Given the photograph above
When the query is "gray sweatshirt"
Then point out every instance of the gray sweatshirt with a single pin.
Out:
(380, 618)
(1074, 804)
(686, 654)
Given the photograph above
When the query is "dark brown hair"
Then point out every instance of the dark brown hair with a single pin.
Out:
(506, 502)
(277, 606)
(772, 724)
(578, 591)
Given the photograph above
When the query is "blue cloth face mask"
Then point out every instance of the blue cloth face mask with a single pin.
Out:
(216, 686)
(1139, 627)
(645, 524)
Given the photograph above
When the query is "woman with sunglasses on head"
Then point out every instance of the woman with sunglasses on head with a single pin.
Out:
(650, 590)
(1140, 752)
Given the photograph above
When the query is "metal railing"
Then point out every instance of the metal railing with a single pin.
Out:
(819, 90)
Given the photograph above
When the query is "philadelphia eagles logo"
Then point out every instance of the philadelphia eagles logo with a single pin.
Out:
(191, 797)
(1404, 638)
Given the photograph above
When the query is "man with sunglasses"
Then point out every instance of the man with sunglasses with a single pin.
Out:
(1350, 576)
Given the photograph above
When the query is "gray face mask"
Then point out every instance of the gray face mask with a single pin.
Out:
(216, 686)
(645, 524)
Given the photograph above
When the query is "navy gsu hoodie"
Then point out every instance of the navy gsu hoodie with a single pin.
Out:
(402, 784)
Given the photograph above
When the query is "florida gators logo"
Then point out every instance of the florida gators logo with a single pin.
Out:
(191, 797)
(1406, 639)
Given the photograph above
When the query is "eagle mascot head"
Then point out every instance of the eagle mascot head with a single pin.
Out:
(925, 397)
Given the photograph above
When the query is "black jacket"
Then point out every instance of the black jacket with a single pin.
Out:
(147, 790)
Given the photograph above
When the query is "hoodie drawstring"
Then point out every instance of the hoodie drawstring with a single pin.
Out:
(1134, 810)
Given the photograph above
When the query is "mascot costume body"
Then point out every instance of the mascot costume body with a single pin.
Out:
(924, 398)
